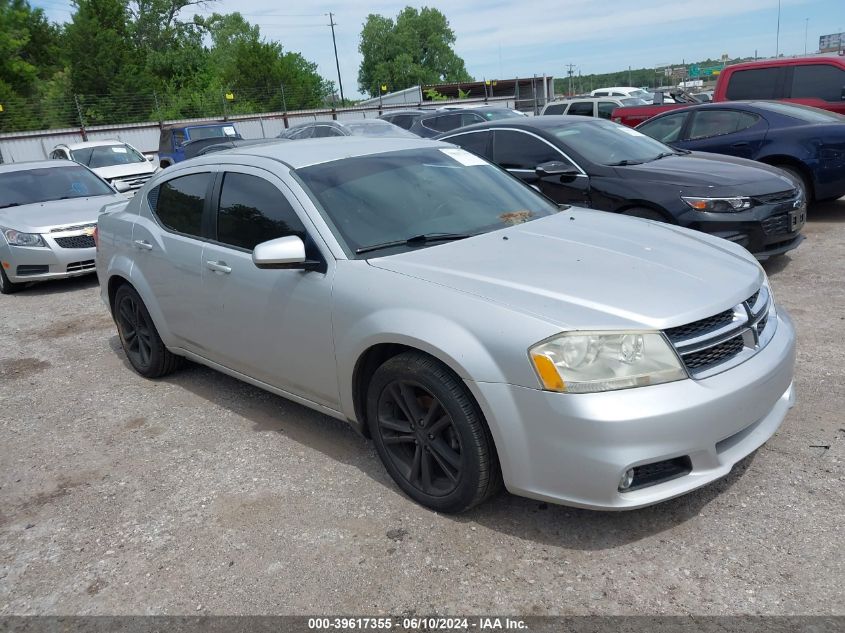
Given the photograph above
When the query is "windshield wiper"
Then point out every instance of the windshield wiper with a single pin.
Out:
(625, 163)
(423, 238)
(663, 155)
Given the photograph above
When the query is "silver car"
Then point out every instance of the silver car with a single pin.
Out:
(477, 332)
(48, 213)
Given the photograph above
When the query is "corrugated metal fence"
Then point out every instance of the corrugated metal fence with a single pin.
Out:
(21, 146)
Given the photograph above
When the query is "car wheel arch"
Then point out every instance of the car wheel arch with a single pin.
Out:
(139, 284)
(779, 160)
(632, 205)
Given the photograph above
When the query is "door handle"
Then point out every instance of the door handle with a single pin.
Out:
(219, 267)
(144, 245)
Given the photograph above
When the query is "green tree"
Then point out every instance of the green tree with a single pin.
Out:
(414, 49)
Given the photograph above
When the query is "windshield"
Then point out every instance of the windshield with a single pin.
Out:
(802, 112)
(501, 113)
(640, 94)
(377, 128)
(606, 143)
(632, 101)
(395, 196)
(197, 133)
(30, 186)
(107, 155)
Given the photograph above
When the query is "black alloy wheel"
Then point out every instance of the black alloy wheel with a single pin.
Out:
(141, 343)
(430, 434)
(420, 438)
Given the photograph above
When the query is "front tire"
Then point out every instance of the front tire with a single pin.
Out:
(8, 287)
(141, 343)
(430, 435)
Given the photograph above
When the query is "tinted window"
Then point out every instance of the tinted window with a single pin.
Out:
(665, 129)
(444, 122)
(405, 121)
(758, 83)
(178, 203)
(706, 123)
(211, 132)
(606, 108)
(29, 186)
(379, 198)
(555, 108)
(583, 108)
(253, 211)
(323, 131)
(601, 93)
(518, 150)
(475, 142)
(607, 143)
(818, 81)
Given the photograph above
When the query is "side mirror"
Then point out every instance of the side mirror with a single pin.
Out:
(658, 98)
(281, 253)
(556, 168)
(150, 157)
(121, 186)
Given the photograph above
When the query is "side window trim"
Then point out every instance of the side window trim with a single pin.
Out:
(555, 148)
(311, 231)
(213, 172)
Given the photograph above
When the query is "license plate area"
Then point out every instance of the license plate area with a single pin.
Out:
(797, 218)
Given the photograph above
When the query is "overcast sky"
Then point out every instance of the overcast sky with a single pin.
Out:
(501, 38)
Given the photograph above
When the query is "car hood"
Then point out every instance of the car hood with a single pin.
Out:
(583, 269)
(715, 173)
(121, 171)
(44, 216)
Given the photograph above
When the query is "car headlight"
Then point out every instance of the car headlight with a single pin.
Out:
(719, 205)
(16, 238)
(590, 362)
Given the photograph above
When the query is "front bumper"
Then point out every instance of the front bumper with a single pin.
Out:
(765, 230)
(574, 448)
(24, 264)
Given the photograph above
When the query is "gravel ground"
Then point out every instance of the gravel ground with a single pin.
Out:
(199, 494)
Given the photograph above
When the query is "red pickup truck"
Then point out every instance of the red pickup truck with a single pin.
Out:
(815, 81)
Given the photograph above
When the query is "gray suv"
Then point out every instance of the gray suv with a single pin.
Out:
(478, 333)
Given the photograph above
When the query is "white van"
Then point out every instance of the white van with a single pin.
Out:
(623, 91)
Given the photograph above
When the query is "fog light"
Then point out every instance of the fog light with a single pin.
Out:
(627, 479)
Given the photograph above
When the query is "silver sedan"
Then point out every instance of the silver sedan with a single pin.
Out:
(478, 333)
(48, 213)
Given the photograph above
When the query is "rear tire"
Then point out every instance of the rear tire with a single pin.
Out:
(430, 435)
(141, 343)
(644, 213)
(8, 287)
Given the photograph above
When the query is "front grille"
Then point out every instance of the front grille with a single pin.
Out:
(77, 227)
(76, 241)
(707, 344)
(710, 356)
(32, 269)
(659, 472)
(697, 328)
(780, 196)
(134, 182)
(776, 224)
(87, 264)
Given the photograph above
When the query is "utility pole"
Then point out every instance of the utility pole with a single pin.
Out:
(806, 24)
(777, 34)
(570, 71)
(332, 24)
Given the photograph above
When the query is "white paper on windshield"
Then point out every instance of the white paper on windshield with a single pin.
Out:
(229, 130)
(629, 131)
(119, 150)
(463, 157)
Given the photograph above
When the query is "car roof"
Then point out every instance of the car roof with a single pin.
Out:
(313, 151)
(408, 111)
(182, 126)
(74, 146)
(532, 124)
(36, 164)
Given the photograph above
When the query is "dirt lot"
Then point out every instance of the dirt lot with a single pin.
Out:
(199, 494)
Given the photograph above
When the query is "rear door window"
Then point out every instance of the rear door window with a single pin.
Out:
(405, 121)
(707, 123)
(475, 142)
(519, 150)
(582, 108)
(818, 81)
(178, 204)
(444, 122)
(606, 108)
(555, 108)
(252, 211)
(756, 83)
